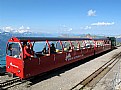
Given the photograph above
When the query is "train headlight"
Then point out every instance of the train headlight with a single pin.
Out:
(18, 71)
(8, 66)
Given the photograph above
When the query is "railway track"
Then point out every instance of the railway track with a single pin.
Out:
(90, 82)
(9, 83)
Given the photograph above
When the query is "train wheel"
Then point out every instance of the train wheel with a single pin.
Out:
(10, 75)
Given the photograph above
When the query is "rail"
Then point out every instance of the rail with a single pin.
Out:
(96, 76)
(7, 83)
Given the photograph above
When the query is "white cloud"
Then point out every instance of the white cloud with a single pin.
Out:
(64, 26)
(86, 27)
(102, 24)
(27, 27)
(70, 29)
(91, 13)
(22, 27)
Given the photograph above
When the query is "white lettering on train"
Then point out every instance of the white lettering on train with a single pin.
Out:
(13, 65)
(69, 57)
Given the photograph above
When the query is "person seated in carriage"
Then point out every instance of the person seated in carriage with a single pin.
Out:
(27, 50)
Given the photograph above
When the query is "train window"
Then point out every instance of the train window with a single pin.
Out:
(66, 45)
(108, 42)
(58, 47)
(40, 48)
(75, 45)
(52, 42)
(88, 45)
(14, 49)
(92, 44)
(28, 43)
(101, 43)
(82, 44)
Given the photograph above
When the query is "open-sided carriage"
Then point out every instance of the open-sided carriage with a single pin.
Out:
(47, 53)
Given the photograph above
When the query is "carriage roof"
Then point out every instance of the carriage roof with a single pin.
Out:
(50, 39)
(22, 39)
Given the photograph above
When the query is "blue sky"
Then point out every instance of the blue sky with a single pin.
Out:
(70, 16)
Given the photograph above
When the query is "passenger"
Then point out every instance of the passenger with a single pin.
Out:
(27, 51)
(70, 49)
(52, 49)
(44, 50)
(30, 45)
(31, 48)
(10, 49)
(13, 51)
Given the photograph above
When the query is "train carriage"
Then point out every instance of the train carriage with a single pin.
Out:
(43, 58)
(102, 44)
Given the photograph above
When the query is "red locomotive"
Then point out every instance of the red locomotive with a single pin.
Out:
(30, 56)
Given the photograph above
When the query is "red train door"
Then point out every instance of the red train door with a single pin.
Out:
(14, 62)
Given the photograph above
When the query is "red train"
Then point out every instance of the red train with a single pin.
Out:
(30, 56)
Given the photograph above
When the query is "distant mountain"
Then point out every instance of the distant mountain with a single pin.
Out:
(0, 30)
(3, 40)
(81, 36)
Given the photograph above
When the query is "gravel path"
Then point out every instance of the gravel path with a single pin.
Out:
(69, 78)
